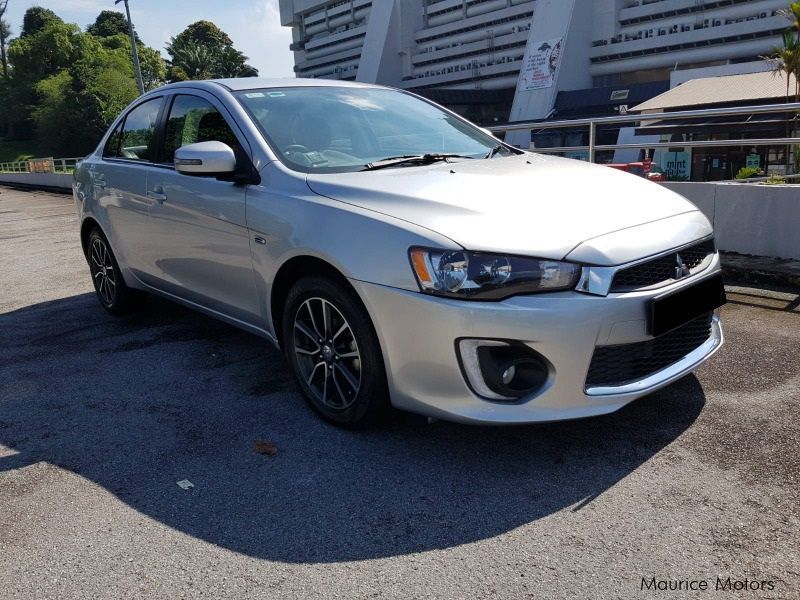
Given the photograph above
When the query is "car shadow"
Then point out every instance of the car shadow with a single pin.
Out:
(138, 404)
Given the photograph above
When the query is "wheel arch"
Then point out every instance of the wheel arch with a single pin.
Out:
(292, 271)
(88, 224)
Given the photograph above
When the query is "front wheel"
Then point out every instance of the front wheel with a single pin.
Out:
(116, 297)
(333, 351)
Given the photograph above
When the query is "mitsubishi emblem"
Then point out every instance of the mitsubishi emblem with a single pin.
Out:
(681, 270)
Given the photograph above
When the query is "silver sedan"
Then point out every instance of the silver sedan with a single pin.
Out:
(397, 254)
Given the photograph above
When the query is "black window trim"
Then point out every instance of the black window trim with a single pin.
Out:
(252, 177)
(121, 125)
(217, 104)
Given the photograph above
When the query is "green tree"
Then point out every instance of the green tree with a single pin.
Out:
(76, 105)
(204, 51)
(66, 85)
(232, 63)
(110, 23)
(154, 68)
(203, 33)
(33, 58)
(35, 19)
(191, 60)
(49, 50)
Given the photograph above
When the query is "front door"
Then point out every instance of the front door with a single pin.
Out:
(199, 222)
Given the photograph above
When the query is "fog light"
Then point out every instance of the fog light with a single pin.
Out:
(498, 370)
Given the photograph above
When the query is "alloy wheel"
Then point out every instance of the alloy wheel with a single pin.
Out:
(327, 353)
(103, 272)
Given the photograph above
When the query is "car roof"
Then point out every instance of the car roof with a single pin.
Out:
(251, 83)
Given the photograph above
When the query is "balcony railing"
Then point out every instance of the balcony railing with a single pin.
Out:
(643, 119)
(41, 165)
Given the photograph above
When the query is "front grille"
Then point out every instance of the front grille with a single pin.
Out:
(662, 269)
(618, 365)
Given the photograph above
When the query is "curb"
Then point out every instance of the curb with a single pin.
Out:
(760, 271)
(35, 188)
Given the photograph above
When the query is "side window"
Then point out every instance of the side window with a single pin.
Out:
(137, 132)
(191, 120)
(112, 144)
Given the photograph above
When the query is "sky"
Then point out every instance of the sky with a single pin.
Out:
(253, 25)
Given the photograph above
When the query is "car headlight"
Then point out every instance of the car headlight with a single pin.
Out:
(484, 276)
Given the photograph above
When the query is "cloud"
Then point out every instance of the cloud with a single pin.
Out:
(261, 37)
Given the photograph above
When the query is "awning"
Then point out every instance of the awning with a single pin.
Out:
(604, 100)
(722, 124)
(748, 89)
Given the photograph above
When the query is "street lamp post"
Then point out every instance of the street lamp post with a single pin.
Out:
(134, 52)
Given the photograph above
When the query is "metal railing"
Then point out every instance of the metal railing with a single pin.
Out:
(643, 119)
(41, 165)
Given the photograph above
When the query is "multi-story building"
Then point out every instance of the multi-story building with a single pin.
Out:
(509, 59)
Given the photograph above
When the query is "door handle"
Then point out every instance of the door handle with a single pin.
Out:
(157, 194)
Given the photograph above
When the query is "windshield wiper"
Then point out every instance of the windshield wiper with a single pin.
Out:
(496, 150)
(411, 159)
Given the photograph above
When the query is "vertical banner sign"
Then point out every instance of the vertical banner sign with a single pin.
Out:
(539, 70)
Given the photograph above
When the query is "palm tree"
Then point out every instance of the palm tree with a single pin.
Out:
(785, 60)
(194, 60)
(230, 62)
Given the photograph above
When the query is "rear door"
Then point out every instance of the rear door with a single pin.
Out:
(120, 181)
(199, 222)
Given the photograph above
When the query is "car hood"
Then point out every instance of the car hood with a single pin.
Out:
(529, 204)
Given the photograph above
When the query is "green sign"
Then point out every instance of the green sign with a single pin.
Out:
(676, 165)
(754, 160)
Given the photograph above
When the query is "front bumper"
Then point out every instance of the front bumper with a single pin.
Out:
(418, 336)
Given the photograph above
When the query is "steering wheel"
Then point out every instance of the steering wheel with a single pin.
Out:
(296, 148)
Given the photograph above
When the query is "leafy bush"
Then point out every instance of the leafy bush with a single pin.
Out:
(748, 172)
(775, 179)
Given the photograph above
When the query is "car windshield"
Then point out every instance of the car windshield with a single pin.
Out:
(340, 129)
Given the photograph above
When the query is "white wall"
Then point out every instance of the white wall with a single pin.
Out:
(53, 180)
(763, 220)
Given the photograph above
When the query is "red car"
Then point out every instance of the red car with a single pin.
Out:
(642, 169)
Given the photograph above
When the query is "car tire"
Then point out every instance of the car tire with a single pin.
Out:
(112, 292)
(334, 353)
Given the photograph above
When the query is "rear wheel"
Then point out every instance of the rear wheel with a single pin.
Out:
(333, 351)
(116, 297)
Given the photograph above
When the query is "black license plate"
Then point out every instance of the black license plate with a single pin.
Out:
(676, 308)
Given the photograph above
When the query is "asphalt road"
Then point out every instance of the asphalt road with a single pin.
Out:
(100, 417)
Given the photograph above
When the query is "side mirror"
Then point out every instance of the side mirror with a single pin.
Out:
(205, 158)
